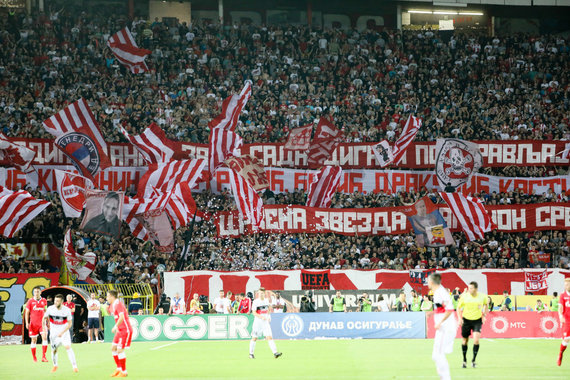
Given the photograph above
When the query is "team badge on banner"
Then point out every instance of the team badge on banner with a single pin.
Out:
(535, 282)
(455, 162)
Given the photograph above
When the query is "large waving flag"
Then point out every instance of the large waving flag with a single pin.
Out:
(134, 207)
(124, 47)
(428, 224)
(181, 206)
(17, 208)
(406, 137)
(327, 138)
(152, 144)
(473, 219)
(16, 155)
(248, 202)
(322, 190)
(251, 169)
(71, 189)
(164, 177)
(455, 162)
(79, 265)
(223, 145)
(231, 109)
(79, 137)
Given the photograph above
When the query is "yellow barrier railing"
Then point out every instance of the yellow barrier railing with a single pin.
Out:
(126, 292)
(521, 303)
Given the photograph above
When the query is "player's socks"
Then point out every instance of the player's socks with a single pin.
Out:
(464, 349)
(44, 349)
(475, 351)
(116, 357)
(251, 346)
(273, 346)
(54, 358)
(442, 367)
(71, 356)
(562, 349)
(123, 361)
(33, 348)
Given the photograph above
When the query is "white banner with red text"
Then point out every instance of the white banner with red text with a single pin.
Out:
(508, 324)
(283, 180)
(386, 220)
(490, 281)
(419, 155)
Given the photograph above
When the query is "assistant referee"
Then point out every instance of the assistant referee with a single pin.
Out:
(471, 311)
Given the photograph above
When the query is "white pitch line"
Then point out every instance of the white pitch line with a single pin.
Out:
(164, 345)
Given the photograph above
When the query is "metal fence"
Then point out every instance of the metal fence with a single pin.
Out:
(126, 292)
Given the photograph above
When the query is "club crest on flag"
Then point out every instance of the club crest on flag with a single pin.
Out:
(456, 161)
(82, 150)
(71, 193)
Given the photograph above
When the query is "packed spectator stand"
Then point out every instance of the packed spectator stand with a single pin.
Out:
(468, 86)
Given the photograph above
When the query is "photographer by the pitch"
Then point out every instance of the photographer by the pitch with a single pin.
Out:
(307, 303)
(365, 303)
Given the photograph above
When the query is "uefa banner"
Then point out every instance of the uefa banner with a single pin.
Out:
(419, 155)
(349, 325)
(147, 328)
(15, 289)
(515, 324)
(386, 220)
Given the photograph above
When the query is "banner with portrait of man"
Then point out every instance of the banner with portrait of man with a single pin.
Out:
(429, 226)
(159, 229)
(102, 212)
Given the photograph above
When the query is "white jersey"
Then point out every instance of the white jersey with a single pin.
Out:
(277, 302)
(221, 305)
(442, 303)
(57, 318)
(260, 306)
(260, 327)
(93, 313)
(178, 306)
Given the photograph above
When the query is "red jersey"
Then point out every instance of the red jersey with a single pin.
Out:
(245, 306)
(565, 306)
(37, 309)
(116, 309)
(70, 305)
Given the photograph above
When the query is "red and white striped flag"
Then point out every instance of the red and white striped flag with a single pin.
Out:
(231, 109)
(124, 47)
(322, 190)
(473, 219)
(164, 177)
(327, 138)
(181, 206)
(406, 137)
(79, 265)
(152, 144)
(16, 155)
(79, 137)
(223, 145)
(248, 202)
(17, 208)
(135, 206)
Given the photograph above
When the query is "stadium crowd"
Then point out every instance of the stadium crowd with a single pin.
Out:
(469, 86)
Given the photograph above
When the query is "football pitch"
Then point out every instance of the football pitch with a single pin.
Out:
(302, 359)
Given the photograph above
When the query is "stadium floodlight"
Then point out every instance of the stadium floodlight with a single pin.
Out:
(471, 13)
(459, 5)
(444, 13)
(422, 12)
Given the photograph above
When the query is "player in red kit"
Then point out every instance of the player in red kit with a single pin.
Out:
(244, 305)
(564, 314)
(122, 330)
(33, 315)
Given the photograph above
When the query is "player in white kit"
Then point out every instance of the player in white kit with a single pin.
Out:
(445, 326)
(261, 327)
(59, 318)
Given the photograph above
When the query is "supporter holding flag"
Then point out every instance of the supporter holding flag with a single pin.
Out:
(152, 144)
(18, 208)
(124, 47)
(16, 155)
(327, 138)
(408, 134)
(323, 188)
(299, 138)
(248, 202)
(474, 220)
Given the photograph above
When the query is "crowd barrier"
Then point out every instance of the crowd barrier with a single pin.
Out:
(411, 325)
(126, 292)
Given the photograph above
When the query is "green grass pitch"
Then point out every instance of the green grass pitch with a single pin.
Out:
(302, 359)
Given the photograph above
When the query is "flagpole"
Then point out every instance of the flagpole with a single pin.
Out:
(182, 261)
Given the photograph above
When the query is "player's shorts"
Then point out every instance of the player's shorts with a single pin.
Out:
(471, 325)
(64, 340)
(35, 329)
(122, 339)
(261, 328)
(93, 323)
(444, 337)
